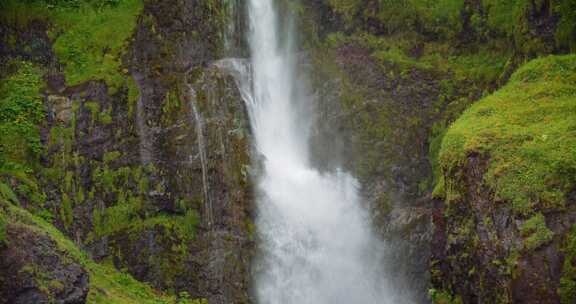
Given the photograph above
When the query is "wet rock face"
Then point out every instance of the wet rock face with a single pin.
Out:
(382, 117)
(213, 262)
(35, 271)
(386, 115)
(229, 240)
(123, 172)
(193, 125)
(483, 234)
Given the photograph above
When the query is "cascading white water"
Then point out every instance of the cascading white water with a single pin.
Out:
(316, 242)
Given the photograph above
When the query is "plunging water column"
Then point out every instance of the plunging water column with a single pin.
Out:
(316, 244)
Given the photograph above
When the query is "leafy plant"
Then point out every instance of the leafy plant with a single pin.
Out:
(21, 111)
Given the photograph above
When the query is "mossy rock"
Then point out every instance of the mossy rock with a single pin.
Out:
(511, 158)
(528, 131)
(51, 261)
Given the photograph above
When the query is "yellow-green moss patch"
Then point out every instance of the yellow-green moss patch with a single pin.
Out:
(528, 131)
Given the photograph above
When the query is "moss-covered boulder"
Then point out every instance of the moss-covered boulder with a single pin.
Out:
(41, 265)
(34, 270)
(507, 186)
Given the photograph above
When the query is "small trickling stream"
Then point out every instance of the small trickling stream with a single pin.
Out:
(199, 123)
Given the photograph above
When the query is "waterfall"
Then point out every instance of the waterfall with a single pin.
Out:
(315, 239)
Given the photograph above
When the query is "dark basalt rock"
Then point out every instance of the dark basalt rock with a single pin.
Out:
(480, 233)
(34, 270)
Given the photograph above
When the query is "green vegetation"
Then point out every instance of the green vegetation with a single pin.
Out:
(21, 112)
(443, 297)
(21, 115)
(107, 285)
(535, 232)
(566, 31)
(7, 194)
(128, 186)
(510, 18)
(133, 94)
(66, 210)
(443, 19)
(111, 156)
(127, 217)
(483, 65)
(106, 117)
(528, 131)
(404, 15)
(94, 109)
(89, 36)
(523, 137)
(90, 41)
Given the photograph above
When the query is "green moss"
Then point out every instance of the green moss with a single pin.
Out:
(89, 36)
(171, 233)
(91, 41)
(567, 290)
(507, 25)
(31, 192)
(183, 226)
(122, 176)
(111, 156)
(483, 64)
(106, 117)
(62, 140)
(107, 285)
(80, 196)
(66, 210)
(133, 94)
(94, 109)
(143, 184)
(108, 180)
(21, 111)
(6, 193)
(20, 13)
(510, 17)
(171, 106)
(535, 232)
(441, 16)
(505, 15)
(438, 132)
(68, 181)
(444, 297)
(566, 30)
(114, 219)
(528, 131)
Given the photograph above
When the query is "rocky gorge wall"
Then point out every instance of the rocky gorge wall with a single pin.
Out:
(392, 79)
(124, 148)
(142, 151)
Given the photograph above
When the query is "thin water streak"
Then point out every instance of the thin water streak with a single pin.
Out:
(200, 141)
